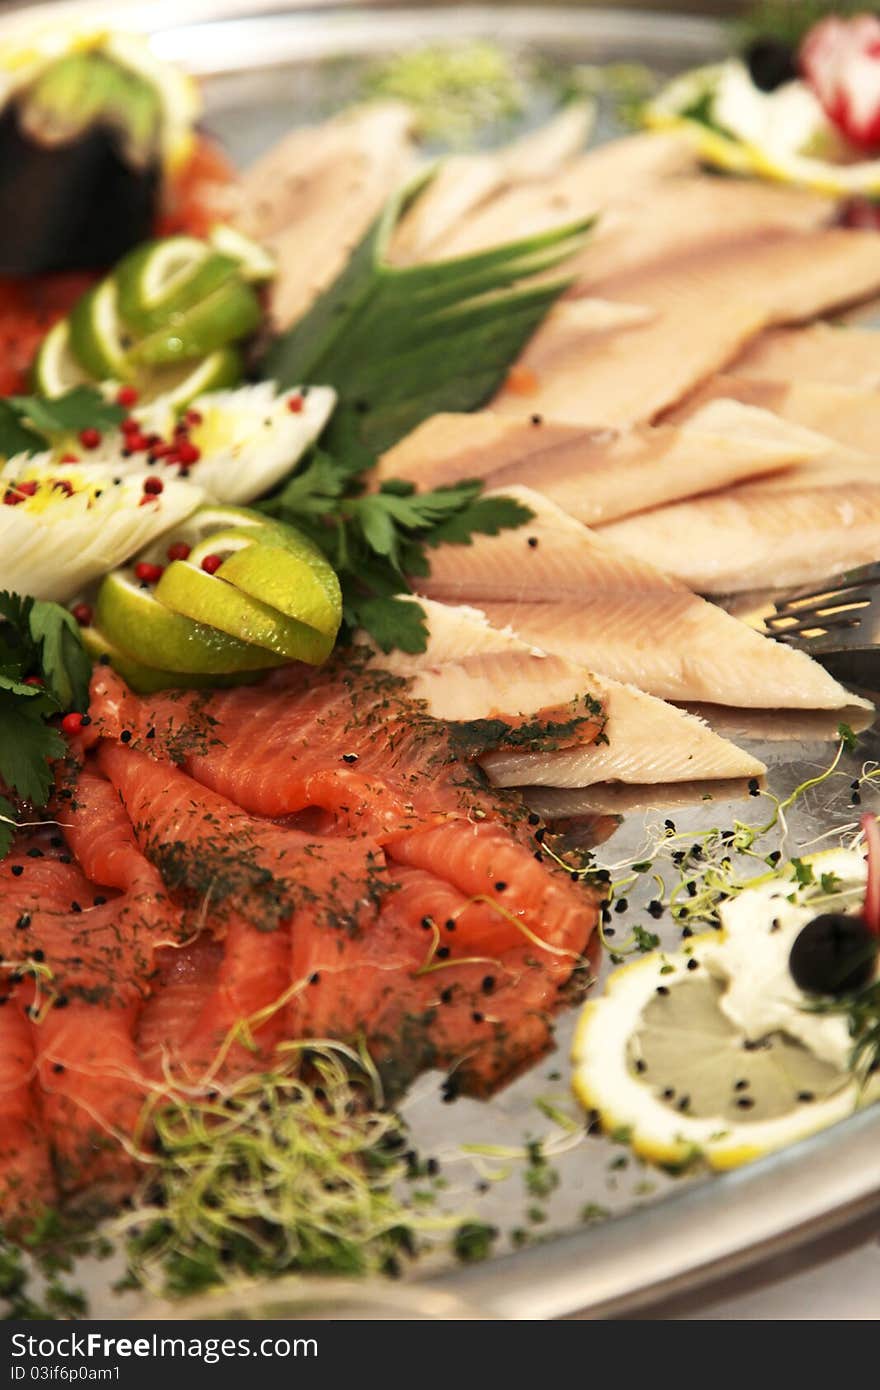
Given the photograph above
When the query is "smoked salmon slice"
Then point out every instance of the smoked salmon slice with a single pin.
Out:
(26, 1179)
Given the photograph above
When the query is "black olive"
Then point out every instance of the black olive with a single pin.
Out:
(833, 954)
(771, 63)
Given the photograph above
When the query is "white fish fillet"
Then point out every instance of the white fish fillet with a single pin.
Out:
(464, 182)
(471, 670)
(849, 416)
(648, 741)
(821, 352)
(752, 537)
(649, 224)
(312, 197)
(579, 595)
(707, 306)
(619, 799)
(584, 186)
(600, 475)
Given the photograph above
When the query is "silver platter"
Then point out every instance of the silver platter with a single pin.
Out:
(671, 1244)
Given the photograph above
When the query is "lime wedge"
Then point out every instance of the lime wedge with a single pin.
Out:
(280, 567)
(181, 384)
(207, 598)
(146, 275)
(146, 680)
(135, 621)
(186, 289)
(230, 313)
(55, 368)
(255, 262)
(97, 335)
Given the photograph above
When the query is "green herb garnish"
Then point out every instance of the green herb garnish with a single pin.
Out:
(44, 671)
(28, 422)
(375, 542)
(400, 344)
(453, 91)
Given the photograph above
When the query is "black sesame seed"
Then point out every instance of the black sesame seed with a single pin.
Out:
(125, 736)
(683, 1103)
(58, 1067)
(753, 786)
(533, 542)
(669, 825)
(686, 932)
(449, 924)
(17, 870)
(35, 853)
(806, 1096)
(641, 1065)
(427, 923)
(349, 757)
(151, 732)
(621, 905)
(537, 419)
(314, 977)
(500, 886)
(668, 1093)
(477, 1016)
(24, 921)
(745, 1103)
(442, 952)
(655, 908)
(100, 900)
(533, 819)
(86, 720)
(446, 996)
(488, 984)
(692, 964)
(662, 989)
(38, 956)
(742, 1084)
(75, 907)
(609, 931)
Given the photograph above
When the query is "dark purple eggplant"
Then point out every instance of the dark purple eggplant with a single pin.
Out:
(80, 169)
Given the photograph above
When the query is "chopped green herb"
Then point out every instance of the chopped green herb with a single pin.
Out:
(847, 737)
(473, 1241)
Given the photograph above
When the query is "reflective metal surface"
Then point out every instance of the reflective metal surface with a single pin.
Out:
(666, 1237)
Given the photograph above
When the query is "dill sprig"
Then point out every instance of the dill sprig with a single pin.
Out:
(862, 1011)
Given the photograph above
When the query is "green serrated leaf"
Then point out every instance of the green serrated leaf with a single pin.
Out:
(484, 516)
(395, 624)
(400, 344)
(65, 663)
(27, 747)
(16, 438)
(7, 826)
(81, 408)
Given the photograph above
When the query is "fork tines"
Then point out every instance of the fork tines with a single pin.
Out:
(838, 605)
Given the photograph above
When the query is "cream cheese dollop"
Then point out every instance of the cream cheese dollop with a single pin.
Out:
(759, 928)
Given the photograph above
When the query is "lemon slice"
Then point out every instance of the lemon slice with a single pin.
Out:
(97, 335)
(147, 680)
(782, 135)
(55, 368)
(663, 1066)
(209, 599)
(138, 624)
(254, 261)
(281, 567)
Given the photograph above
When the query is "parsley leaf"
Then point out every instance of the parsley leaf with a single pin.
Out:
(375, 541)
(27, 422)
(28, 745)
(7, 826)
(38, 642)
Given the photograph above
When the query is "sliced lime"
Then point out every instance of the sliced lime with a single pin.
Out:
(181, 384)
(207, 598)
(232, 312)
(136, 622)
(282, 568)
(55, 368)
(146, 275)
(97, 335)
(255, 262)
(146, 680)
(188, 289)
